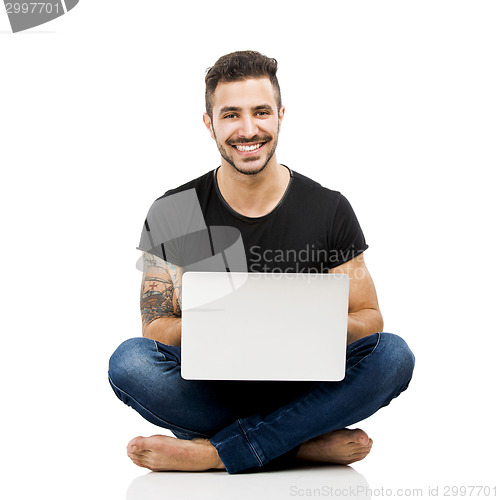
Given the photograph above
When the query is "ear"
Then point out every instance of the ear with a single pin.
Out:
(281, 114)
(208, 123)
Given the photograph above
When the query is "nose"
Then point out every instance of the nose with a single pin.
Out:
(248, 127)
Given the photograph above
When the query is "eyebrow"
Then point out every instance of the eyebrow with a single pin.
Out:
(260, 107)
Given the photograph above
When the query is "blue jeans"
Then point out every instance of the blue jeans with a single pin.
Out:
(258, 425)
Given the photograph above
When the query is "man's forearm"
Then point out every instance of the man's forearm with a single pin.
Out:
(363, 323)
(164, 330)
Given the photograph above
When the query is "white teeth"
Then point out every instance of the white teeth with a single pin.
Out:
(248, 148)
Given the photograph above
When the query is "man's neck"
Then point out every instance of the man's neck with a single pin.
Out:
(253, 195)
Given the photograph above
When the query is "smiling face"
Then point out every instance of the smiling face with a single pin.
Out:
(245, 124)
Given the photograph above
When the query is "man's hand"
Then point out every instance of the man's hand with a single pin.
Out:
(365, 317)
(161, 300)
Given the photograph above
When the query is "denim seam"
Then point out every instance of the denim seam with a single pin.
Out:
(168, 424)
(364, 357)
(245, 435)
(226, 440)
(158, 351)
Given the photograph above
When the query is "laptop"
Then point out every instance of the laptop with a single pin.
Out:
(264, 326)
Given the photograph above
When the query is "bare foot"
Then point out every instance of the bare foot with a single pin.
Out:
(162, 453)
(338, 447)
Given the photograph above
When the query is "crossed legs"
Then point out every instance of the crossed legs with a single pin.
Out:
(252, 425)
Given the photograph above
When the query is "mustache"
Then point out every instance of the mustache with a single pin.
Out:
(256, 138)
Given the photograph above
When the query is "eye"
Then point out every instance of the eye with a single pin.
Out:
(263, 113)
(230, 115)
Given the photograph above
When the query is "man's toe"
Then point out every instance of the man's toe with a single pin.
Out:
(360, 436)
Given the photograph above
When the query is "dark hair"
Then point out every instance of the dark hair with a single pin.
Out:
(238, 66)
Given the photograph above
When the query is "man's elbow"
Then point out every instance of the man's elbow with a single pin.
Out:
(150, 328)
(374, 320)
(380, 321)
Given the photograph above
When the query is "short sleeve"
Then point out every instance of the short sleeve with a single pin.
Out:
(175, 229)
(346, 239)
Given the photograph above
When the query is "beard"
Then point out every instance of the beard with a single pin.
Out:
(229, 144)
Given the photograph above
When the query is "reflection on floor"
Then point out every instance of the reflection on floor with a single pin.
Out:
(327, 481)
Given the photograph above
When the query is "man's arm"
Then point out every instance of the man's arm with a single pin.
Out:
(161, 300)
(364, 317)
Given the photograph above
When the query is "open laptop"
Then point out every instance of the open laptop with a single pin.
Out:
(264, 326)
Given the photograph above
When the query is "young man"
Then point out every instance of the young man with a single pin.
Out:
(241, 426)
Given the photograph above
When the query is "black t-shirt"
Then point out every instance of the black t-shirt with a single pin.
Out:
(311, 230)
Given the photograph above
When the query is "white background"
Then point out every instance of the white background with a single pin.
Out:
(393, 103)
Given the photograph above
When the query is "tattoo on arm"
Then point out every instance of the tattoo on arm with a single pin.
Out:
(161, 291)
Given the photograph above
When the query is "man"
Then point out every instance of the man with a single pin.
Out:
(241, 426)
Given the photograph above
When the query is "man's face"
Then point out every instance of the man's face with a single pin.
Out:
(245, 124)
